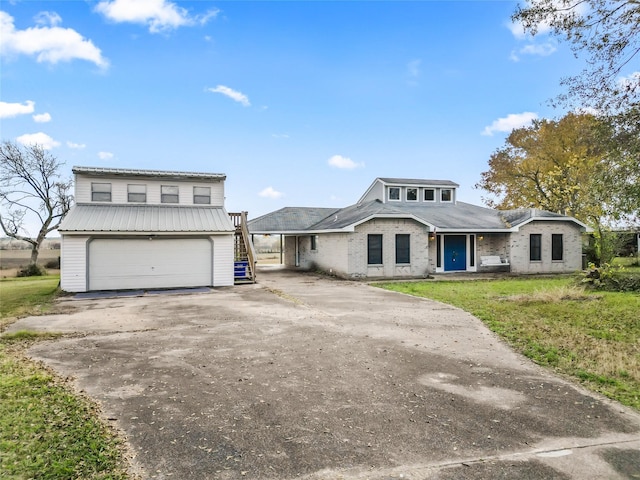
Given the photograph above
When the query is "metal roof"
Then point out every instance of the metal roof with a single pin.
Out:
(130, 172)
(418, 181)
(289, 219)
(146, 219)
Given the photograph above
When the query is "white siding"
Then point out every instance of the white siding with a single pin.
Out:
(73, 263)
(222, 260)
(119, 189)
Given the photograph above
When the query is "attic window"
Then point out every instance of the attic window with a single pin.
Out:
(100, 192)
(412, 194)
(429, 195)
(394, 194)
(445, 195)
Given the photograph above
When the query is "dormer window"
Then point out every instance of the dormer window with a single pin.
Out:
(412, 194)
(446, 195)
(429, 195)
(394, 194)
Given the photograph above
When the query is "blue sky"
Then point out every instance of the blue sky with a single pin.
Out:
(298, 103)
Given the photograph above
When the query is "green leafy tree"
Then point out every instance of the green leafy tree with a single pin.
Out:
(30, 183)
(572, 166)
(608, 32)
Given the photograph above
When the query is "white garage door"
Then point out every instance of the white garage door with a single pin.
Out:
(116, 264)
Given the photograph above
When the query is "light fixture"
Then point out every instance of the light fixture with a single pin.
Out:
(480, 237)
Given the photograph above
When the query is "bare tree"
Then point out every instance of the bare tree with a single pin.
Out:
(30, 183)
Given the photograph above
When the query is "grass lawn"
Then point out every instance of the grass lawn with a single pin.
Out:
(592, 337)
(47, 431)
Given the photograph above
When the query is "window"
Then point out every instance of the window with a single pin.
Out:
(394, 193)
(429, 195)
(403, 248)
(412, 194)
(557, 249)
(374, 249)
(202, 195)
(314, 242)
(100, 192)
(137, 193)
(472, 250)
(438, 251)
(535, 247)
(169, 194)
(445, 195)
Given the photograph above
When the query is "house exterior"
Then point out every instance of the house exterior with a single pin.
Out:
(140, 229)
(415, 227)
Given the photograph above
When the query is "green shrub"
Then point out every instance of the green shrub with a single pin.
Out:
(611, 279)
(53, 263)
(31, 270)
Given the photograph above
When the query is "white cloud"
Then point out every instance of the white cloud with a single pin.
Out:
(8, 110)
(510, 122)
(158, 15)
(540, 49)
(232, 94)
(41, 139)
(280, 135)
(48, 43)
(105, 155)
(75, 146)
(48, 18)
(338, 161)
(630, 82)
(42, 117)
(270, 192)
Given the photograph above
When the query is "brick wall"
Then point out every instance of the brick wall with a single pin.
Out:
(572, 245)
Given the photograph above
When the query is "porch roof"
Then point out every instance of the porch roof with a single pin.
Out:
(145, 219)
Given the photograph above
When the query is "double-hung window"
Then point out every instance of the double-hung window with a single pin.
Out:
(403, 248)
(412, 194)
(374, 249)
(169, 194)
(446, 195)
(136, 193)
(202, 195)
(535, 247)
(394, 194)
(100, 192)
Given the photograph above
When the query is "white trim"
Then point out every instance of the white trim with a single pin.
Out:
(424, 190)
(389, 199)
(406, 194)
(451, 193)
(551, 219)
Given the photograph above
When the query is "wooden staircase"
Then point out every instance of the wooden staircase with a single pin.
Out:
(244, 255)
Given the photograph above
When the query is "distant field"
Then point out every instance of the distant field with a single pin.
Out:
(12, 260)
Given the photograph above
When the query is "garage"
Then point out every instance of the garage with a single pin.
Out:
(149, 262)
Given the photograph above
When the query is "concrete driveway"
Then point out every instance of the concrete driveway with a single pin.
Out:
(308, 377)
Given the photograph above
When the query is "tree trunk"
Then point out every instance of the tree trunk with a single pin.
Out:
(35, 250)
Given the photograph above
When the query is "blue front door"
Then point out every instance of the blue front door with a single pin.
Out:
(455, 252)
